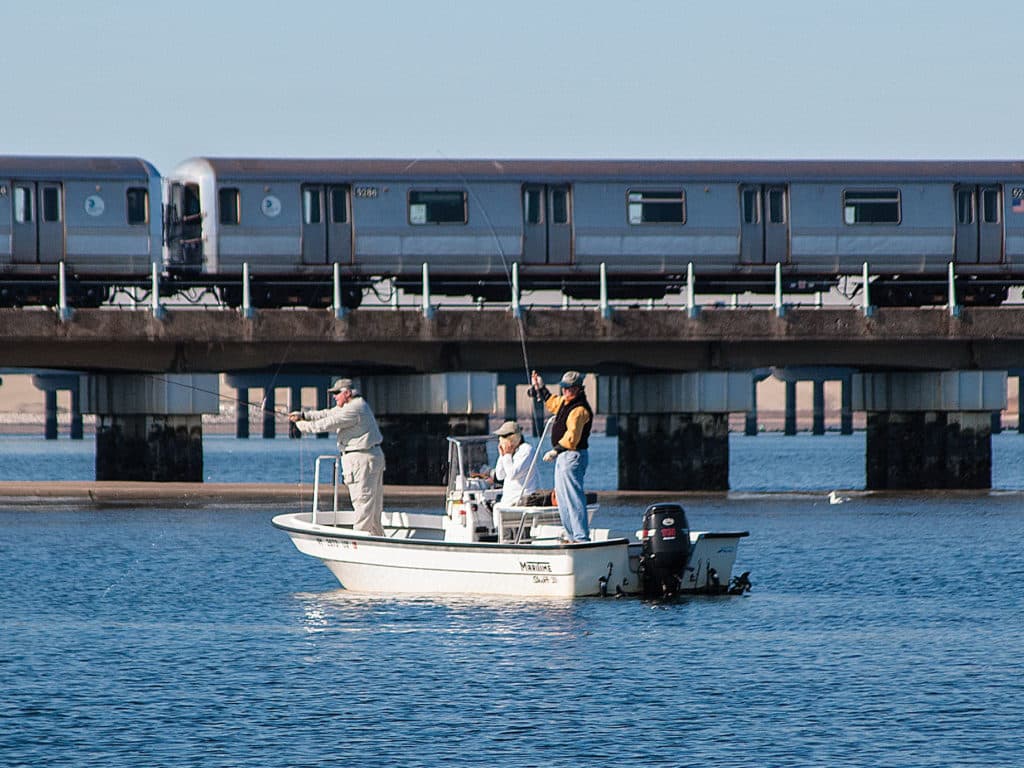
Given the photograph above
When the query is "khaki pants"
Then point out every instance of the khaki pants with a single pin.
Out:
(363, 473)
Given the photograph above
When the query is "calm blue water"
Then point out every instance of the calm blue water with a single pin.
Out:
(885, 631)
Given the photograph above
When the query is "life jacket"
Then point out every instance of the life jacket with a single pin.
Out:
(560, 425)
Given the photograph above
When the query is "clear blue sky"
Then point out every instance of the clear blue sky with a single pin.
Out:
(702, 79)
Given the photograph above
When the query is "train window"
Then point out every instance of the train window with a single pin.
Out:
(533, 211)
(137, 199)
(662, 207)
(190, 205)
(437, 207)
(560, 205)
(990, 205)
(339, 205)
(871, 206)
(311, 205)
(23, 204)
(51, 204)
(965, 206)
(229, 201)
(776, 206)
(751, 206)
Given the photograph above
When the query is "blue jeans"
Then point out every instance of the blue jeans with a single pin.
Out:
(570, 467)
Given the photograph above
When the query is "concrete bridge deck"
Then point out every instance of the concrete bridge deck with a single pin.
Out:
(211, 340)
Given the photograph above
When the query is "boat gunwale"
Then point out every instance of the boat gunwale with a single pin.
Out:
(483, 545)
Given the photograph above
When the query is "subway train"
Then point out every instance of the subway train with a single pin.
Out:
(292, 220)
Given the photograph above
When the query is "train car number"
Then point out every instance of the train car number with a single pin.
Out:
(367, 192)
(1018, 193)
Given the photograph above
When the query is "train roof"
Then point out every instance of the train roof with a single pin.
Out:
(639, 170)
(60, 167)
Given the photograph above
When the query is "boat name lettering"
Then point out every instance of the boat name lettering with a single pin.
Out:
(333, 543)
(722, 550)
(534, 566)
(538, 579)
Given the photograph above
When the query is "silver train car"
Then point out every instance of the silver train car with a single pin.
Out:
(94, 214)
(292, 220)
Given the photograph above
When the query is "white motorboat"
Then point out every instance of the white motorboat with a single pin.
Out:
(477, 546)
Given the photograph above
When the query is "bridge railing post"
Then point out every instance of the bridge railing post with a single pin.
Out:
(866, 302)
(339, 310)
(63, 309)
(954, 308)
(154, 292)
(691, 293)
(516, 310)
(606, 311)
(780, 308)
(428, 311)
(246, 292)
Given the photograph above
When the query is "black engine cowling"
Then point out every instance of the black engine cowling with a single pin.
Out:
(666, 550)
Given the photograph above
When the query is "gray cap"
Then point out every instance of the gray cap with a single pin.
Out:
(506, 429)
(571, 379)
(340, 384)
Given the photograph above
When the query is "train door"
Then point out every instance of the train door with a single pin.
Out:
(764, 223)
(326, 224)
(38, 222)
(979, 223)
(547, 224)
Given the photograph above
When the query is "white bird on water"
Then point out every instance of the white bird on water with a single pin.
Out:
(835, 498)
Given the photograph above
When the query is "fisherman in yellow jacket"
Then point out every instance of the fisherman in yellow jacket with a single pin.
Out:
(570, 433)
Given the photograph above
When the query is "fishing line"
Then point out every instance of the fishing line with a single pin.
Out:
(520, 325)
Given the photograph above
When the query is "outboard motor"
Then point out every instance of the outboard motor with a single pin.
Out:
(666, 550)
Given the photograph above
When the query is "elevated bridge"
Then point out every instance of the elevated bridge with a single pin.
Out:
(929, 379)
(634, 340)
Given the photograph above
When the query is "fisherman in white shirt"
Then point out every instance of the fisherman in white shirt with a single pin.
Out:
(513, 467)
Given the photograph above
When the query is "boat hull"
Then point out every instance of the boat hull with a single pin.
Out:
(398, 565)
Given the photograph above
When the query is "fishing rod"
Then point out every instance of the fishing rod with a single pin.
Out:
(520, 325)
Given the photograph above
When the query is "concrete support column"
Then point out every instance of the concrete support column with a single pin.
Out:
(149, 447)
(269, 407)
(150, 427)
(846, 409)
(1020, 404)
(510, 411)
(417, 414)
(750, 423)
(242, 413)
(674, 428)
(50, 414)
(416, 449)
(674, 452)
(51, 384)
(818, 408)
(929, 430)
(76, 414)
(789, 426)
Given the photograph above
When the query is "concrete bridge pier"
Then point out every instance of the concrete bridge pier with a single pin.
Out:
(929, 430)
(417, 413)
(674, 428)
(150, 427)
(50, 384)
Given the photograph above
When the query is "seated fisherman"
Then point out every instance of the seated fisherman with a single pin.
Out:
(514, 464)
